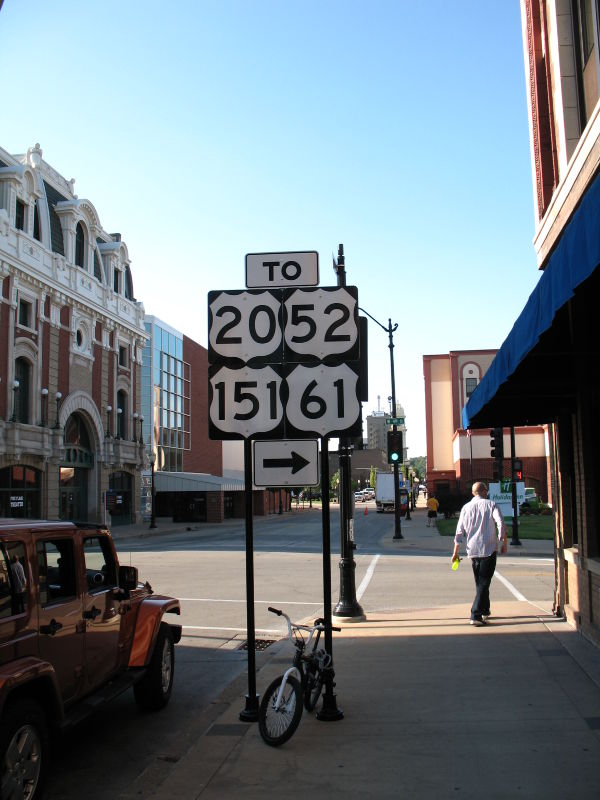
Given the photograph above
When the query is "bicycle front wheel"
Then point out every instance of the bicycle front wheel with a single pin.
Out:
(277, 725)
(314, 687)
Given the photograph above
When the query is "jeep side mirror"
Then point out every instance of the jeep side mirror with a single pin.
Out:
(128, 578)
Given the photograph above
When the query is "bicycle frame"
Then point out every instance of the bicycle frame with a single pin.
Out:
(301, 645)
(284, 679)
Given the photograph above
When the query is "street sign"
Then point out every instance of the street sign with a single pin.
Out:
(323, 401)
(275, 402)
(395, 421)
(288, 462)
(283, 326)
(243, 326)
(321, 324)
(244, 402)
(269, 270)
(284, 362)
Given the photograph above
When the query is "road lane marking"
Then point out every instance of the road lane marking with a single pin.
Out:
(232, 630)
(243, 602)
(515, 592)
(367, 579)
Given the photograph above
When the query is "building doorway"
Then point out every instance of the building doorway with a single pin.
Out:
(75, 470)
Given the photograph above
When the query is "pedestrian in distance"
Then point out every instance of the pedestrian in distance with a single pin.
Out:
(432, 509)
(481, 525)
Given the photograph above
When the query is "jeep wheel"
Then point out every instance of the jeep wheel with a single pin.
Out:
(23, 751)
(154, 690)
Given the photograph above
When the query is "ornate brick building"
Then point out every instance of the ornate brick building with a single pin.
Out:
(71, 334)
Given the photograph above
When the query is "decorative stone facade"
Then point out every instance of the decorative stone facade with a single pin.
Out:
(71, 337)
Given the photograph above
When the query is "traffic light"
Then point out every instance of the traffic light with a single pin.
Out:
(497, 452)
(497, 444)
(517, 470)
(394, 447)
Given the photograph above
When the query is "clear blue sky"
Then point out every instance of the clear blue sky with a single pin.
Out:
(205, 130)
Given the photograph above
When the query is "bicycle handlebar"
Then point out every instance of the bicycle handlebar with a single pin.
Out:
(319, 623)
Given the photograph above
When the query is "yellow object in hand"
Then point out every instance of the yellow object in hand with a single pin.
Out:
(455, 563)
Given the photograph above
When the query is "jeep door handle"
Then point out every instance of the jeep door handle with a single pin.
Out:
(92, 613)
(51, 629)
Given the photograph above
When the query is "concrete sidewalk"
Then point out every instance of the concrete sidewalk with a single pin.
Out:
(433, 708)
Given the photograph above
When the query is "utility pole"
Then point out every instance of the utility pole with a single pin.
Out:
(347, 605)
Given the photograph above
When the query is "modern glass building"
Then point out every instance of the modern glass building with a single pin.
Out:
(165, 396)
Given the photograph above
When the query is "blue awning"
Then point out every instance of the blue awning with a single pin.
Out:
(531, 372)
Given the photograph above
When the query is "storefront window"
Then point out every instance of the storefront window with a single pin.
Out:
(20, 492)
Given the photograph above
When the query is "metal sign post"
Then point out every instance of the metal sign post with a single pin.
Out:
(329, 711)
(250, 713)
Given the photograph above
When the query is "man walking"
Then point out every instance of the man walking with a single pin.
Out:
(482, 525)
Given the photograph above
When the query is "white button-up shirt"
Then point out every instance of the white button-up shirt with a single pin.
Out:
(482, 525)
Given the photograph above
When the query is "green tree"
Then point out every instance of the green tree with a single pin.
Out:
(372, 477)
(334, 483)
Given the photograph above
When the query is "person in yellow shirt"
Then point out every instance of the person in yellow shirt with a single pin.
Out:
(432, 509)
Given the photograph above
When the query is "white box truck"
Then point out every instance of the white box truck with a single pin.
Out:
(384, 493)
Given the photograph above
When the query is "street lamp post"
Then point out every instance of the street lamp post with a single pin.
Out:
(142, 429)
(390, 331)
(119, 423)
(152, 459)
(15, 400)
(108, 412)
(135, 419)
(58, 399)
(44, 407)
(347, 606)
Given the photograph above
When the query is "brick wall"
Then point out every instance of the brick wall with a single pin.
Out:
(205, 455)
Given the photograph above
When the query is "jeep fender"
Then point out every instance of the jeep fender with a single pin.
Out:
(36, 678)
(149, 616)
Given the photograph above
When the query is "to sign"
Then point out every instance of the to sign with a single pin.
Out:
(283, 326)
(266, 270)
(289, 462)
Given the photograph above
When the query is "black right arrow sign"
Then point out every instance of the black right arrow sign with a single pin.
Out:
(286, 462)
(296, 462)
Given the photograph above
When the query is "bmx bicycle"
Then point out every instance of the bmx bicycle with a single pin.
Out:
(300, 685)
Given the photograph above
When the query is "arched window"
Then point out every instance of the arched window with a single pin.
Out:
(22, 391)
(80, 245)
(122, 414)
(76, 432)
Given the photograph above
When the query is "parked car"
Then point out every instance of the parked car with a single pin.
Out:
(358, 497)
(531, 503)
(76, 630)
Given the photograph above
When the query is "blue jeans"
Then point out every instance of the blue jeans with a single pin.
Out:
(483, 571)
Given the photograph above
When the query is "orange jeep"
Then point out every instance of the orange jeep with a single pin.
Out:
(76, 630)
